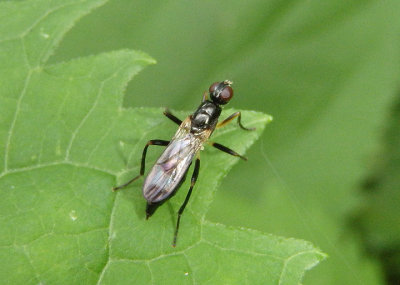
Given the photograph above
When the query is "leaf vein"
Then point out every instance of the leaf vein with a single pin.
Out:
(243, 251)
(56, 163)
(17, 110)
(289, 259)
(40, 19)
(110, 232)
(92, 108)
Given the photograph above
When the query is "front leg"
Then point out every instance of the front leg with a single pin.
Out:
(230, 118)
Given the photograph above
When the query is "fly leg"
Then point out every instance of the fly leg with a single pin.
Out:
(230, 118)
(227, 150)
(169, 115)
(205, 97)
(182, 208)
(151, 142)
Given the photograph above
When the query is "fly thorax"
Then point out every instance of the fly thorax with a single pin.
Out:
(200, 121)
(205, 117)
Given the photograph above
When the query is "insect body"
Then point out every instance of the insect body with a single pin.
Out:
(171, 168)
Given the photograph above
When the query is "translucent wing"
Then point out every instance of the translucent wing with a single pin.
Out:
(171, 167)
(169, 170)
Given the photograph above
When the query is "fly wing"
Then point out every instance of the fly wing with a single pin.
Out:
(170, 168)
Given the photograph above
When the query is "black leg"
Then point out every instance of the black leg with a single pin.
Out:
(227, 150)
(169, 115)
(151, 142)
(182, 208)
(233, 116)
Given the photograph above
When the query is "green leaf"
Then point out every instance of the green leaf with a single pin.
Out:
(326, 70)
(65, 142)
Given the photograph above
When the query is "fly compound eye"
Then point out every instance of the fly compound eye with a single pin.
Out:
(221, 92)
(226, 95)
(213, 87)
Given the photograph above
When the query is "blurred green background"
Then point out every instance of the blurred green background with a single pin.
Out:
(328, 71)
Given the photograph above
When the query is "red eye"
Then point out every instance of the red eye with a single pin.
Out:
(213, 86)
(226, 94)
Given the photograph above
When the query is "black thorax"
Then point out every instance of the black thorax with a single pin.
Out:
(205, 117)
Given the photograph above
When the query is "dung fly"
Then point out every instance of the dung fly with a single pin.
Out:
(170, 170)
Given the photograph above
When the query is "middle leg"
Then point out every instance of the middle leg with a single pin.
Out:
(142, 166)
(170, 116)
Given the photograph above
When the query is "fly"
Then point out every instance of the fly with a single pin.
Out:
(170, 170)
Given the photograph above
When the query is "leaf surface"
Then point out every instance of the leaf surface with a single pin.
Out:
(326, 70)
(66, 140)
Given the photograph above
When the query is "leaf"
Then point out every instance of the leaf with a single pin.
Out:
(65, 142)
(326, 70)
